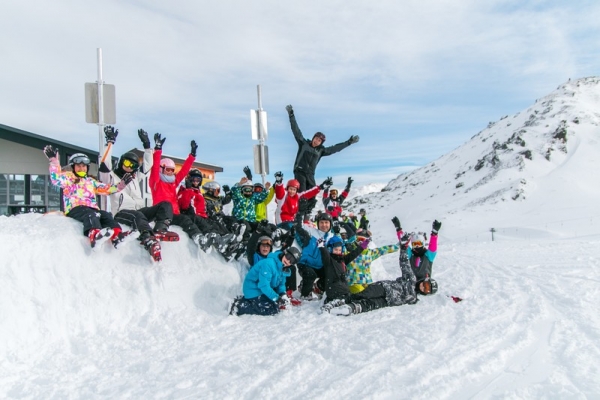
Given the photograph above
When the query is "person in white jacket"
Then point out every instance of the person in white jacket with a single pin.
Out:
(128, 206)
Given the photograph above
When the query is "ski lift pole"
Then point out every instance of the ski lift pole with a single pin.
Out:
(103, 202)
(261, 141)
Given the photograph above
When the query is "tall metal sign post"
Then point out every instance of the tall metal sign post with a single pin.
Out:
(100, 109)
(258, 122)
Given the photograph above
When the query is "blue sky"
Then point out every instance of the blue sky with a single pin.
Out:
(415, 79)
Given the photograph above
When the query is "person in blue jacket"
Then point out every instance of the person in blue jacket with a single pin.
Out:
(264, 285)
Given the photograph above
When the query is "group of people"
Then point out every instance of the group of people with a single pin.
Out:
(330, 253)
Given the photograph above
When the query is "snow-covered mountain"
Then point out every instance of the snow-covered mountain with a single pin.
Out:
(516, 170)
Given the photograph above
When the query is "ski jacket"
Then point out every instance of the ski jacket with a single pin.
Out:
(191, 201)
(308, 157)
(266, 277)
(422, 266)
(334, 207)
(261, 208)
(164, 191)
(214, 205)
(334, 268)
(287, 206)
(132, 197)
(244, 208)
(359, 270)
(364, 223)
(311, 255)
(78, 191)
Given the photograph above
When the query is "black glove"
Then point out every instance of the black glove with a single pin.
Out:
(336, 227)
(128, 177)
(326, 183)
(248, 172)
(396, 222)
(143, 135)
(435, 227)
(226, 189)
(158, 141)
(330, 208)
(50, 152)
(302, 236)
(353, 139)
(193, 148)
(349, 184)
(110, 134)
(290, 110)
(278, 177)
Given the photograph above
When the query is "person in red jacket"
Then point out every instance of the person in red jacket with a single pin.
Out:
(163, 184)
(191, 203)
(333, 202)
(288, 199)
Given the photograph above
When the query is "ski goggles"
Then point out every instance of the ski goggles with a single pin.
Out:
(196, 179)
(417, 243)
(266, 243)
(171, 170)
(81, 160)
(130, 164)
(247, 189)
(426, 286)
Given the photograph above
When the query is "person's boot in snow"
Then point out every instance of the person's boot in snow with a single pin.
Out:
(117, 237)
(224, 242)
(152, 245)
(346, 309)
(239, 232)
(332, 304)
(99, 236)
(203, 241)
(166, 236)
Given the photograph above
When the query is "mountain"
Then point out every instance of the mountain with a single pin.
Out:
(514, 171)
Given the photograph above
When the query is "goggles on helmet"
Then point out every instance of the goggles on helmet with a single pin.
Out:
(80, 159)
(417, 243)
(196, 179)
(166, 169)
(130, 164)
(247, 189)
(426, 286)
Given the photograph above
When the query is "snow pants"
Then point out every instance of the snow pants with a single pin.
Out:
(140, 219)
(307, 181)
(372, 298)
(93, 218)
(186, 224)
(309, 276)
(261, 305)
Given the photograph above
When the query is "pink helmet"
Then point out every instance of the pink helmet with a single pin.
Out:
(167, 163)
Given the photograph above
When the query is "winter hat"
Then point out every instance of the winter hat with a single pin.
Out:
(334, 242)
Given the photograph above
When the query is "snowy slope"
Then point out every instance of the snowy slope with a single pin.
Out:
(111, 324)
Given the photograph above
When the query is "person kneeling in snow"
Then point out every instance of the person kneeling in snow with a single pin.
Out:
(264, 285)
(389, 293)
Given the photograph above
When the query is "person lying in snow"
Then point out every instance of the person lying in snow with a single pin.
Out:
(79, 196)
(264, 285)
(387, 293)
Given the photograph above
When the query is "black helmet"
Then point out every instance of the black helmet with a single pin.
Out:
(433, 286)
(324, 217)
(194, 173)
(132, 159)
(293, 254)
(212, 188)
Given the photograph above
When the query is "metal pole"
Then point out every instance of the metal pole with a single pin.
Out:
(261, 138)
(103, 202)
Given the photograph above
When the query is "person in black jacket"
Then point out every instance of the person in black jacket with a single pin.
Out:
(309, 154)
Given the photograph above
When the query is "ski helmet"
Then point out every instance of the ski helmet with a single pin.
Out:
(430, 286)
(131, 159)
(212, 188)
(333, 191)
(247, 188)
(320, 135)
(293, 183)
(194, 173)
(167, 163)
(324, 217)
(264, 239)
(79, 158)
(293, 254)
(334, 242)
(417, 239)
(258, 187)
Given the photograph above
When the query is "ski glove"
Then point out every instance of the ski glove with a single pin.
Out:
(284, 302)
(124, 181)
(336, 227)
(143, 135)
(435, 227)
(365, 243)
(226, 189)
(289, 110)
(278, 177)
(321, 242)
(326, 183)
(353, 139)
(248, 172)
(193, 148)
(158, 141)
(349, 184)
(50, 152)
(396, 222)
(110, 134)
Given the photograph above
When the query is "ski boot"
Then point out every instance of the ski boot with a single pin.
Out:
(166, 236)
(118, 236)
(152, 245)
(99, 236)
(204, 242)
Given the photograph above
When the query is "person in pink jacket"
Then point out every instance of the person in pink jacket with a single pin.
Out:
(79, 196)
(288, 199)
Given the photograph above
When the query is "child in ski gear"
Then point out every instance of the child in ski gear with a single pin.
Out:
(128, 206)
(334, 266)
(164, 182)
(387, 293)
(261, 208)
(264, 285)
(288, 199)
(214, 202)
(421, 258)
(245, 201)
(333, 203)
(359, 270)
(309, 154)
(79, 196)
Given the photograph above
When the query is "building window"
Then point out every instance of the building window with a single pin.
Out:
(16, 189)
(3, 194)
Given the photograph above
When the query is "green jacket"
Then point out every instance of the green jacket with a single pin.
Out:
(261, 208)
(359, 270)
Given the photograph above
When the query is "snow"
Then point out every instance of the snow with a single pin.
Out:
(77, 323)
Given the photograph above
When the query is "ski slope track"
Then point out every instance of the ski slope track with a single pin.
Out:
(110, 323)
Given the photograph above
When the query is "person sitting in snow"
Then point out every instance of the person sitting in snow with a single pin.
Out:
(261, 208)
(264, 286)
(128, 206)
(288, 199)
(387, 293)
(333, 203)
(245, 201)
(79, 196)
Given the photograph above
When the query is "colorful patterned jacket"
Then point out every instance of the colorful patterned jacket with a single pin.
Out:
(359, 271)
(244, 208)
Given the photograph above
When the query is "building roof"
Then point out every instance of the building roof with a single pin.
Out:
(179, 160)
